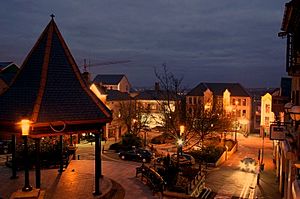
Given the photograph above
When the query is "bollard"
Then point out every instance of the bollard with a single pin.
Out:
(78, 157)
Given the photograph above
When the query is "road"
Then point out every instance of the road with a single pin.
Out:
(229, 181)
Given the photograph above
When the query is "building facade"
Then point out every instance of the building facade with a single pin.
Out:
(113, 82)
(287, 150)
(232, 97)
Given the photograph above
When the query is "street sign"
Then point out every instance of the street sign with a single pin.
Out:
(278, 132)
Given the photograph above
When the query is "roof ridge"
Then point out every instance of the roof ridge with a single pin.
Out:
(43, 79)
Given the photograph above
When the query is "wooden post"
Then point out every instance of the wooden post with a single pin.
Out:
(13, 157)
(37, 163)
(27, 186)
(61, 164)
(97, 164)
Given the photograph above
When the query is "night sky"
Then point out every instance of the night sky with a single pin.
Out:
(199, 40)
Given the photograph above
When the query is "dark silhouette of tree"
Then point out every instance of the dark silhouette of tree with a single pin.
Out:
(172, 107)
(207, 121)
(199, 124)
(135, 116)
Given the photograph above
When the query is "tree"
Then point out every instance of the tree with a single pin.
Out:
(199, 124)
(171, 107)
(206, 121)
(135, 116)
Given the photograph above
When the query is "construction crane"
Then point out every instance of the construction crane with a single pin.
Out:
(85, 65)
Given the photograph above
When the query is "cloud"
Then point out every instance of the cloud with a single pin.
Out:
(201, 40)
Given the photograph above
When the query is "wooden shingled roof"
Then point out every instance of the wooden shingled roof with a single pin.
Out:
(50, 91)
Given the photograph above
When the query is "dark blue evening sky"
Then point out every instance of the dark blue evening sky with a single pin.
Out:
(201, 40)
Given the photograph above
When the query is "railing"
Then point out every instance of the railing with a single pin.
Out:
(195, 186)
(153, 179)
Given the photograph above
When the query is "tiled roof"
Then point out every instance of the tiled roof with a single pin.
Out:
(115, 95)
(108, 79)
(49, 87)
(4, 64)
(198, 90)
(8, 73)
(156, 95)
(218, 89)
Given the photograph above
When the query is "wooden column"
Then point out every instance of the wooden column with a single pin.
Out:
(37, 163)
(61, 148)
(101, 131)
(13, 157)
(97, 164)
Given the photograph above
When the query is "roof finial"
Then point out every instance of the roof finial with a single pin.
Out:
(52, 16)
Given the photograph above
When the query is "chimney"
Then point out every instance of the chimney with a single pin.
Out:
(156, 87)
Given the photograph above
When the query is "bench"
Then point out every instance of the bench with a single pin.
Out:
(153, 179)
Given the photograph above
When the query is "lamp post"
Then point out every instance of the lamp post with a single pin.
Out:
(25, 125)
(236, 121)
(180, 143)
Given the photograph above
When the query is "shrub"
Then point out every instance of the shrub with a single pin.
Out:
(119, 147)
(130, 139)
(209, 154)
(161, 139)
(49, 154)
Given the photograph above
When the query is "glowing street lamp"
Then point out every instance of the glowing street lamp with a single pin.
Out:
(182, 128)
(25, 125)
(180, 142)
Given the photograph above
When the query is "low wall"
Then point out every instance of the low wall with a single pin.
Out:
(226, 155)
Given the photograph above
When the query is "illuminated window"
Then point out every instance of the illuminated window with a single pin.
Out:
(233, 101)
(244, 102)
(238, 113)
(268, 108)
(153, 107)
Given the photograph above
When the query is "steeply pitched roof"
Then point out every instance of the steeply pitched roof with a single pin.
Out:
(112, 95)
(115, 95)
(218, 89)
(8, 72)
(198, 90)
(4, 64)
(49, 88)
(108, 79)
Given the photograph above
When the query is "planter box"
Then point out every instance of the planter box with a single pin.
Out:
(226, 155)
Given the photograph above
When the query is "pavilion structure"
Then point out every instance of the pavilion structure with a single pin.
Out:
(50, 98)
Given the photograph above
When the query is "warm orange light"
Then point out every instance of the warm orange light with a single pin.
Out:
(180, 142)
(25, 125)
(182, 127)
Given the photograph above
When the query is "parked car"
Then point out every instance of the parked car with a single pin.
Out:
(184, 159)
(136, 154)
(248, 164)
